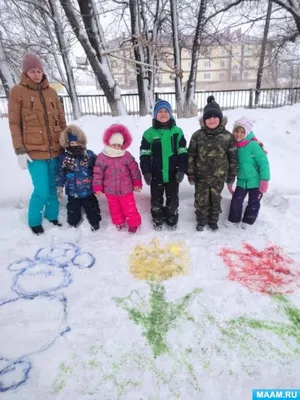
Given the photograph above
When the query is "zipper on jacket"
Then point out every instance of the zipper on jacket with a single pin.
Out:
(51, 102)
(42, 99)
(31, 103)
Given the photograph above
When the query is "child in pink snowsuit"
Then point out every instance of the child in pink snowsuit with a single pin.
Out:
(116, 173)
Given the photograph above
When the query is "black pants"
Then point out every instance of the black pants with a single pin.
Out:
(169, 213)
(91, 208)
(252, 209)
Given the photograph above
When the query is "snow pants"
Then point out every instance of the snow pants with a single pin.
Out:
(44, 196)
(252, 209)
(123, 209)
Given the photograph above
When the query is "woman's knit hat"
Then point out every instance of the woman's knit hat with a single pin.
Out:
(244, 123)
(31, 61)
(212, 109)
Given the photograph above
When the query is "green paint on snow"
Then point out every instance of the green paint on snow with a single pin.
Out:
(157, 316)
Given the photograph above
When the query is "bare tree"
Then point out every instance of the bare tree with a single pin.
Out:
(263, 53)
(64, 52)
(93, 43)
(6, 76)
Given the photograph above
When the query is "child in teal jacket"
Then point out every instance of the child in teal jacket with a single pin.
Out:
(252, 177)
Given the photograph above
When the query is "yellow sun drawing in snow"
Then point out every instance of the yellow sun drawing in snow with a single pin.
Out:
(158, 262)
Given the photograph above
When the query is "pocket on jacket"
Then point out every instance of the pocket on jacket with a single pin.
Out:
(34, 136)
(33, 133)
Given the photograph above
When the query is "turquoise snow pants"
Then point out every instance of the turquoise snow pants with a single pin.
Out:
(44, 196)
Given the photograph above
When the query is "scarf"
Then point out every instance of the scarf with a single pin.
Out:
(69, 162)
(244, 143)
(111, 152)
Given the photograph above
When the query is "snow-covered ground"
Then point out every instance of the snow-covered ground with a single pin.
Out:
(76, 323)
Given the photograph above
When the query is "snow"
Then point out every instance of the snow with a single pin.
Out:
(66, 296)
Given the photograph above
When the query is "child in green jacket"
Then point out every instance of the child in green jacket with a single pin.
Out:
(163, 161)
(253, 175)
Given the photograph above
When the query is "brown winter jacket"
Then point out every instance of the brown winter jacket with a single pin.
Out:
(36, 119)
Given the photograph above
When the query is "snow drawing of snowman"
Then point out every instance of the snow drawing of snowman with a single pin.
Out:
(36, 285)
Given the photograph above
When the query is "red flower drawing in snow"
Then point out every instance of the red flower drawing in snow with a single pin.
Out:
(267, 271)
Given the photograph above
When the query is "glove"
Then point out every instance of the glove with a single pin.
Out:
(23, 160)
(263, 187)
(230, 188)
(148, 178)
(179, 176)
(192, 179)
(59, 191)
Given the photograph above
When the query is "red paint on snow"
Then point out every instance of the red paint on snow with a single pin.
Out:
(266, 271)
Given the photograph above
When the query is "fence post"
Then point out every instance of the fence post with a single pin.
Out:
(156, 96)
(251, 98)
(61, 99)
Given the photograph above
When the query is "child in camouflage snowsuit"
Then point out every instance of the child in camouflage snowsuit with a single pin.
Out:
(212, 160)
(163, 161)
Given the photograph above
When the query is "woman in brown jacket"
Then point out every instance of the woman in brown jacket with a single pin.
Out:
(36, 119)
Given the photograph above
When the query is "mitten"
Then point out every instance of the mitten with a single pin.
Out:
(148, 178)
(59, 191)
(263, 187)
(23, 160)
(179, 176)
(192, 179)
(230, 188)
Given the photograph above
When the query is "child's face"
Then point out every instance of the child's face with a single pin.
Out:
(73, 143)
(212, 122)
(163, 115)
(116, 146)
(239, 133)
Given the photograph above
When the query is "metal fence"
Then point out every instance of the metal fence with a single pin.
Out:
(227, 99)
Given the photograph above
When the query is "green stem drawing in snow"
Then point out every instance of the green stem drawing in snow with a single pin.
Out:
(285, 331)
(157, 316)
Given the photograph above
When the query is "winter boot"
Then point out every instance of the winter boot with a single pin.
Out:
(213, 226)
(132, 229)
(157, 226)
(172, 227)
(55, 222)
(120, 227)
(200, 227)
(95, 227)
(37, 230)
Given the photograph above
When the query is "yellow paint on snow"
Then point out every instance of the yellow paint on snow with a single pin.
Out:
(157, 262)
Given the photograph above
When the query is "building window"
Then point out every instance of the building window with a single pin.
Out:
(235, 78)
(246, 63)
(223, 51)
(222, 75)
(236, 54)
(235, 67)
(207, 76)
(246, 74)
(207, 52)
(222, 63)
(206, 64)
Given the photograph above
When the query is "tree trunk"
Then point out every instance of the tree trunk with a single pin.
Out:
(141, 78)
(6, 76)
(70, 87)
(263, 53)
(190, 107)
(93, 43)
(179, 95)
